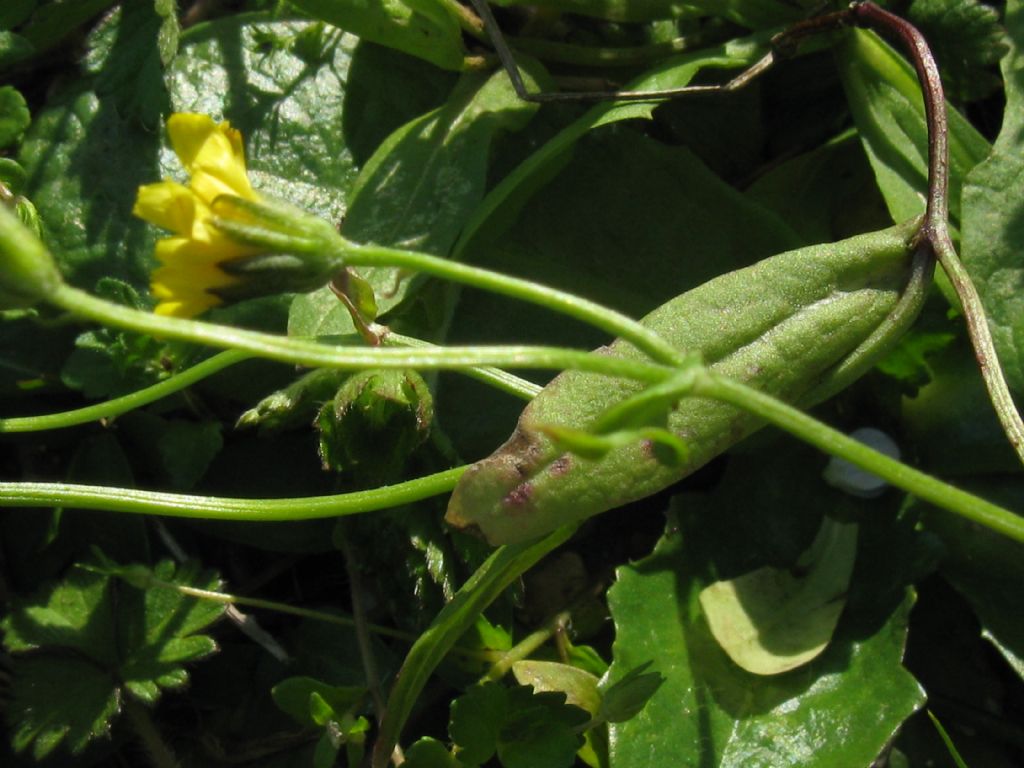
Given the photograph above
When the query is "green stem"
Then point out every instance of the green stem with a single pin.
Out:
(134, 501)
(936, 226)
(525, 647)
(119, 405)
(160, 755)
(317, 355)
(981, 339)
(502, 380)
(836, 443)
(226, 598)
(499, 379)
(597, 315)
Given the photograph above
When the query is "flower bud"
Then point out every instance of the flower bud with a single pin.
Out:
(28, 274)
(373, 424)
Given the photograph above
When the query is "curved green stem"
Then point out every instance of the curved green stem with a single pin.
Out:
(981, 339)
(119, 405)
(936, 225)
(138, 502)
(318, 355)
(809, 429)
(502, 380)
(597, 315)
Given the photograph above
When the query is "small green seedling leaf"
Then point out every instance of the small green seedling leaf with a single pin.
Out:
(771, 620)
(525, 729)
(580, 689)
(359, 292)
(430, 753)
(294, 696)
(625, 698)
(92, 643)
(579, 686)
(12, 176)
(319, 710)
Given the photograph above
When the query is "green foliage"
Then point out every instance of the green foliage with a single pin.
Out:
(391, 122)
(991, 196)
(316, 704)
(747, 718)
(14, 116)
(109, 363)
(522, 727)
(87, 642)
(886, 104)
(770, 620)
(965, 35)
(423, 28)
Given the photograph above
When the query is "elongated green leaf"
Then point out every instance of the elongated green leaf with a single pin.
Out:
(423, 28)
(885, 99)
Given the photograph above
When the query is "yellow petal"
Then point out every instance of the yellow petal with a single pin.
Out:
(209, 186)
(188, 133)
(205, 147)
(189, 252)
(184, 290)
(168, 205)
(194, 278)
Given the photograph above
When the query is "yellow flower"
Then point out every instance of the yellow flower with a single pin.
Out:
(191, 260)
